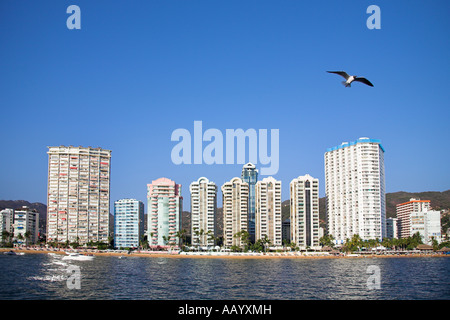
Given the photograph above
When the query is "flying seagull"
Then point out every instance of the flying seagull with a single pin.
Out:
(349, 79)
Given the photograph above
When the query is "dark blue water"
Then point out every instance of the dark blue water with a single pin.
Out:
(40, 276)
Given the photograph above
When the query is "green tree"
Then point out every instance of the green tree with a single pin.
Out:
(327, 240)
(245, 238)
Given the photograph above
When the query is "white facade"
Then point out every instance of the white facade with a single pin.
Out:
(78, 194)
(268, 211)
(305, 212)
(163, 212)
(6, 221)
(128, 223)
(428, 224)
(404, 212)
(203, 211)
(235, 197)
(355, 190)
(26, 221)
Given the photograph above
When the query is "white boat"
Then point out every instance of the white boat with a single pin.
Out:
(352, 255)
(77, 256)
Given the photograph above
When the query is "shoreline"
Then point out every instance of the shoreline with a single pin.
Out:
(194, 255)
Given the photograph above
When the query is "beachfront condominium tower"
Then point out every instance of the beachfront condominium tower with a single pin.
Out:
(268, 211)
(163, 212)
(355, 190)
(249, 175)
(404, 212)
(78, 194)
(26, 225)
(203, 212)
(128, 223)
(305, 212)
(235, 211)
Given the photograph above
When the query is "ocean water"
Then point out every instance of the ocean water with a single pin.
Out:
(45, 277)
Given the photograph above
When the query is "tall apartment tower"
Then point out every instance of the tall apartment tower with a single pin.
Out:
(268, 211)
(355, 190)
(128, 223)
(165, 205)
(235, 210)
(203, 211)
(404, 212)
(305, 211)
(249, 175)
(78, 194)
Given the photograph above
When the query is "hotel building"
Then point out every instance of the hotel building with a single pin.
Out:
(249, 175)
(428, 224)
(128, 223)
(235, 199)
(355, 190)
(268, 211)
(305, 212)
(163, 212)
(26, 221)
(203, 211)
(78, 194)
(404, 211)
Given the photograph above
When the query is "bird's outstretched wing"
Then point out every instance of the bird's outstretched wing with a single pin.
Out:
(341, 73)
(364, 80)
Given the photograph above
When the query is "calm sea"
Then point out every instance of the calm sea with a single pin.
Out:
(41, 276)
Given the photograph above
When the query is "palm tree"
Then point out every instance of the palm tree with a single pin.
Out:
(265, 242)
(244, 236)
(181, 235)
(20, 237)
(5, 236)
(27, 237)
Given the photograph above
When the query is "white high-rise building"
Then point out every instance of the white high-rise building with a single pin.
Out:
(427, 223)
(6, 221)
(26, 222)
(128, 223)
(165, 205)
(305, 212)
(404, 212)
(355, 190)
(235, 197)
(268, 211)
(78, 194)
(203, 211)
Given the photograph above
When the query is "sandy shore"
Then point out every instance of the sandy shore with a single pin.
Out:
(225, 256)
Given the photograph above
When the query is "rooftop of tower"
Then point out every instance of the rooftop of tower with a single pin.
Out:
(360, 140)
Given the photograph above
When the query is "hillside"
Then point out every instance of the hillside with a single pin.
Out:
(17, 204)
(438, 200)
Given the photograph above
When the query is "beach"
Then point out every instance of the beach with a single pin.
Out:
(223, 255)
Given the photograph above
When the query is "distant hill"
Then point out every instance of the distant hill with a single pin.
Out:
(39, 207)
(438, 200)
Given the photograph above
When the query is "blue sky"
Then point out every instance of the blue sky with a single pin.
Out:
(138, 70)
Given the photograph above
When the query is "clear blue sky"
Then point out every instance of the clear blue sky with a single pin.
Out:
(137, 70)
